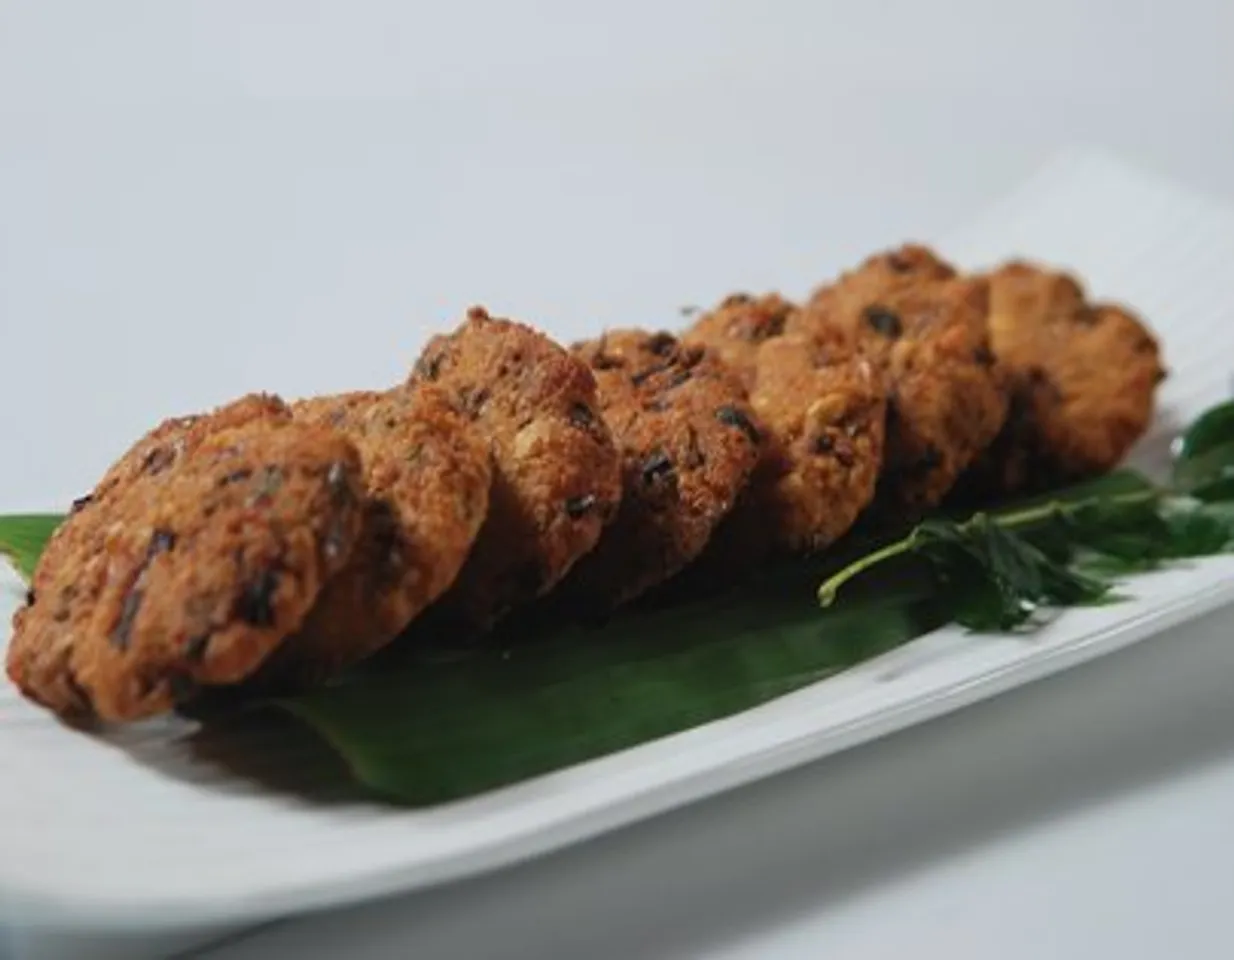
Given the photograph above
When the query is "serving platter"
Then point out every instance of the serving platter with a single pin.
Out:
(149, 827)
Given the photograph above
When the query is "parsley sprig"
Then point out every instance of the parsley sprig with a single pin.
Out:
(1001, 570)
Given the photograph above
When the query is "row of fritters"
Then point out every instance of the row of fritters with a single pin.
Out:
(275, 545)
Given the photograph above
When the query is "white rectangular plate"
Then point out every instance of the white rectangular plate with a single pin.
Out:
(136, 829)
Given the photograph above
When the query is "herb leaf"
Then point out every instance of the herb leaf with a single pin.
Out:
(23, 537)
(1208, 475)
(1213, 428)
(995, 579)
(1001, 569)
(1204, 460)
(1018, 554)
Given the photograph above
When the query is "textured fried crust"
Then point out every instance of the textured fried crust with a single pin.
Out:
(735, 329)
(427, 476)
(191, 576)
(176, 437)
(888, 272)
(70, 567)
(1083, 380)
(557, 472)
(689, 443)
(824, 407)
(156, 452)
(927, 331)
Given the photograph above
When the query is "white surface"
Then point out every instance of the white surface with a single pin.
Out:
(1082, 816)
(288, 194)
(245, 852)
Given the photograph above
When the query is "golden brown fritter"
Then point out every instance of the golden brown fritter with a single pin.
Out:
(823, 405)
(689, 443)
(926, 330)
(151, 456)
(176, 437)
(887, 273)
(1083, 381)
(190, 576)
(557, 472)
(426, 476)
(734, 329)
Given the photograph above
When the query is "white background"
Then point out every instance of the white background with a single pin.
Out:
(198, 199)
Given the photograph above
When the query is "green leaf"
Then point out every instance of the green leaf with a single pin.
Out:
(1214, 428)
(1116, 484)
(997, 580)
(1199, 529)
(1204, 461)
(1207, 475)
(432, 730)
(23, 537)
(436, 731)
